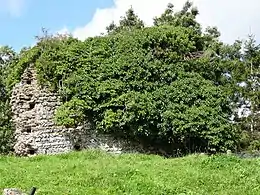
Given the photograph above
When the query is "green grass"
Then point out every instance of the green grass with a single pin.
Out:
(94, 172)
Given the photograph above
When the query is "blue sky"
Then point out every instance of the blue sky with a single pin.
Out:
(19, 29)
(22, 20)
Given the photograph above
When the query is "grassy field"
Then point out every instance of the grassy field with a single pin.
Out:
(94, 172)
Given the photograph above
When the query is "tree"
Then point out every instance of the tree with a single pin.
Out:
(127, 23)
(252, 60)
(186, 17)
(7, 55)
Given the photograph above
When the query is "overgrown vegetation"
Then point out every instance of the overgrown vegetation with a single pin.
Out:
(170, 85)
(99, 173)
(6, 130)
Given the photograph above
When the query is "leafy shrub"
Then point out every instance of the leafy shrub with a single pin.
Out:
(254, 145)
(70, 113)
(6, 129)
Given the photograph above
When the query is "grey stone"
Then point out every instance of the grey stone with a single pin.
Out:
(12, 191)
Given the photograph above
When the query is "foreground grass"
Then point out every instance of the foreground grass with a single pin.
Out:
(95, 172)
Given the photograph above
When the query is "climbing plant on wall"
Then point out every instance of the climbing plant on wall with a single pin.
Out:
(169, 84)
(143, 84)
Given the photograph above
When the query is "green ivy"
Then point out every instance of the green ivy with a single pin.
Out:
(137, 84)
(140, 84)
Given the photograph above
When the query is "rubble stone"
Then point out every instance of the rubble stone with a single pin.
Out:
(12, 191)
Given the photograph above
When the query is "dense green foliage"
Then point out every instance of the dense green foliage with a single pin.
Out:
(6, 128)
(138, 84)
(127, 23)
(99, 173)
(170, 85)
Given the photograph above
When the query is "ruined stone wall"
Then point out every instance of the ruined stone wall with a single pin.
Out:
(33, 109)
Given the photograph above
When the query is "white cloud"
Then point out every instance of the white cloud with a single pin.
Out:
(146, 10)
(233, 18)
(63, 31)
(12, 7)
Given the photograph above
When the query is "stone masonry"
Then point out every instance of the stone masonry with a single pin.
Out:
(33, 109)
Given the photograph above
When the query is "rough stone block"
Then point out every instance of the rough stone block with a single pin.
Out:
(12, 191)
